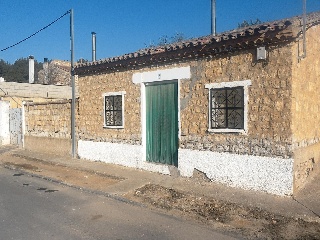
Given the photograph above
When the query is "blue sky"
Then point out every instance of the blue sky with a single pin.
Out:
(123, 26)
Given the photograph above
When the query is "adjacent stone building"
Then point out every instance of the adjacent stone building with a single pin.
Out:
(55, 72)
(242, 107)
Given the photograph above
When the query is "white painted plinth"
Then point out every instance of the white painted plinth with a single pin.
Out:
(118, 153)
(272, 175)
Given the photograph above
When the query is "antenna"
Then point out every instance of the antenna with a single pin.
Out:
(94, 46)
(213, 17)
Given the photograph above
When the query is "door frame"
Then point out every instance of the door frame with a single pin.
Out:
(172, 74)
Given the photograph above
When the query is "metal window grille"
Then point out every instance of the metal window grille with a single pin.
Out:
(113, 110)
(227, 108)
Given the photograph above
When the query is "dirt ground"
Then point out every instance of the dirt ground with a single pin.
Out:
(252, 223)
(249, 222)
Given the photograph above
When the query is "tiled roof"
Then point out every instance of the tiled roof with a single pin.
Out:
(238, 39)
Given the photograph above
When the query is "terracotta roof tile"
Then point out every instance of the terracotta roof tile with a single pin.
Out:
(223, 42)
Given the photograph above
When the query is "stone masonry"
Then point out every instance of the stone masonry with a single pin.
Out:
(306, 107)
(90, 124)
(269, 105)
(50, 119)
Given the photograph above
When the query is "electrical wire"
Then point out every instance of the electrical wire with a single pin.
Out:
(36, 32)
(6, 94)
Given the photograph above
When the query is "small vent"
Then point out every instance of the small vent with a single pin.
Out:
(261, 53)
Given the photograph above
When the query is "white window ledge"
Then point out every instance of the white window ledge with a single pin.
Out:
(226, 130)
(114, 127)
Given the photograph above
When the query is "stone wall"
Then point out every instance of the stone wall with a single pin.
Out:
(269, 106)
(48, 127)
(306, 104)
(50, 119)
(306, 107)
(91, 107)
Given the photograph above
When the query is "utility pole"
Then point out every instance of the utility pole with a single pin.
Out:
(73, 102)
(213, 17)
(304, 23)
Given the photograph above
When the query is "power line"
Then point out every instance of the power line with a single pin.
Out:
(6, 94)
(36, 32)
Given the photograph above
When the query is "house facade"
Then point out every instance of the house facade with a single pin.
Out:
(241, 107)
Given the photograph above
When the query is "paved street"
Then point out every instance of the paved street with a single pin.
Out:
(33, 208)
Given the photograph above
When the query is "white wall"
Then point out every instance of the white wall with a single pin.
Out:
(4, 123)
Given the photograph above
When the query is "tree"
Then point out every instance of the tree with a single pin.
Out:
(249, 23)
(19, 71)
(165, 39)
(82, 60)
(4, 68)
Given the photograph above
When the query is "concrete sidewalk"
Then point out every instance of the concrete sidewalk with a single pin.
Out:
(305, 205)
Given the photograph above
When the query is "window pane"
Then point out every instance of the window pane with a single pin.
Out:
(235, 119)
(235, 97)
(118, 102)
(109, 102)
(117, 118)
(218, 118)
(109, 118)
(218, 98)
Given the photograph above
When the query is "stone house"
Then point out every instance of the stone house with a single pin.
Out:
(242, 107)
(55, 72)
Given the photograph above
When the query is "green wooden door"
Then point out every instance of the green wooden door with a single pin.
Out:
(162, 122)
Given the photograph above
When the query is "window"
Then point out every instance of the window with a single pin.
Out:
(114, 110)
(228, 106)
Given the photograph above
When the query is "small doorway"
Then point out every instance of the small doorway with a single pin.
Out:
(162, 126)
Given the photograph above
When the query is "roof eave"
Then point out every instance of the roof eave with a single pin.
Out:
(184, 52)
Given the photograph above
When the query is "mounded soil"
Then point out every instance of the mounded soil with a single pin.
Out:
(252, 223)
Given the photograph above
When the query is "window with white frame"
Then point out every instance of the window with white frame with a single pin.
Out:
(114, 109)
(228, 103)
